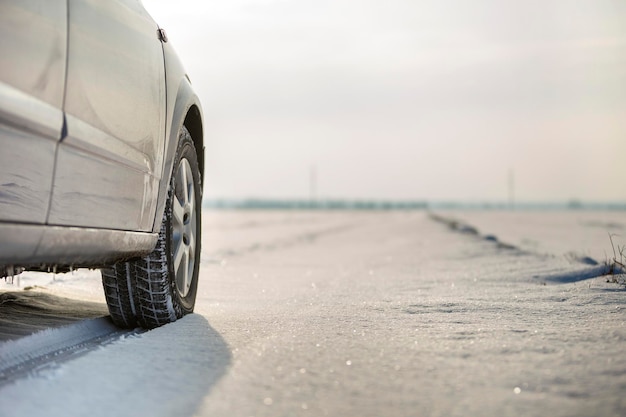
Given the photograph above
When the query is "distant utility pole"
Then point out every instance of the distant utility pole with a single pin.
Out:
(312, 183)
(511, 189)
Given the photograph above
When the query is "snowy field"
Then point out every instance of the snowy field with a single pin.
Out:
(480, 313)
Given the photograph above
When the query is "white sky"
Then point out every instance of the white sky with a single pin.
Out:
(408, 99)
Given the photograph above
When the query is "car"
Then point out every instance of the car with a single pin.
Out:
(101, 154)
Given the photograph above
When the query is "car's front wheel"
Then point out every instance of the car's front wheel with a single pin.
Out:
(161, 287)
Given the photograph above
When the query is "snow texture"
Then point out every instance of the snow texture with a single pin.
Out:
(51, 341)
(369, 314)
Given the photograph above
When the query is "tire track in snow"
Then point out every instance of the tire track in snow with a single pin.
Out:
(273, 245)
(48, 348)
(592, 268)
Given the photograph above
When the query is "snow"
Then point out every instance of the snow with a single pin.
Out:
(45, 341)
(577, 233)
(361, 313)
(164, 372)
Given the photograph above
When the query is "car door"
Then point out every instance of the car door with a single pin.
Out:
(33, 41)
(115, 110)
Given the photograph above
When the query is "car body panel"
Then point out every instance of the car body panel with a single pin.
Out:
(26, 167)
(33, 61)
(56, 245)
(115, 107)
(84, 175)
(32, 78)
(101, 182)
(181, 102)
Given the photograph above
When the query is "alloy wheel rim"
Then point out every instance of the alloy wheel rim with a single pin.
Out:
(184, 228)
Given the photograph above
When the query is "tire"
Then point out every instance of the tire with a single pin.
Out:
(161, 287)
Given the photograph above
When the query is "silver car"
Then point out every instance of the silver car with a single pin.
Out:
(101, 153)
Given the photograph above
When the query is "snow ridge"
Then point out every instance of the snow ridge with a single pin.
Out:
(17, 353)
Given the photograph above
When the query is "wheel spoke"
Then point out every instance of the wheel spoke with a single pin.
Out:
(191, 249)
(191, 253)
(179, 253)
(178, 210)
(191, 198)
(182, 277)
(184, 167)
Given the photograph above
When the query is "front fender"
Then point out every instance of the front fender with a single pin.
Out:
(182, 102)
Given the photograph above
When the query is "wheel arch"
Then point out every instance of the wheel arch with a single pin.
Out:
(183, 109)
(193, 123)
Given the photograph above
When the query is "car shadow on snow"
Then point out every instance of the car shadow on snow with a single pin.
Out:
(183, 360)
(167, 371)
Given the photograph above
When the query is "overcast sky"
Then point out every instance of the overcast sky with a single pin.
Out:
(408, 99)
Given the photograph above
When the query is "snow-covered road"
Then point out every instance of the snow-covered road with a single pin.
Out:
(358, 314)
